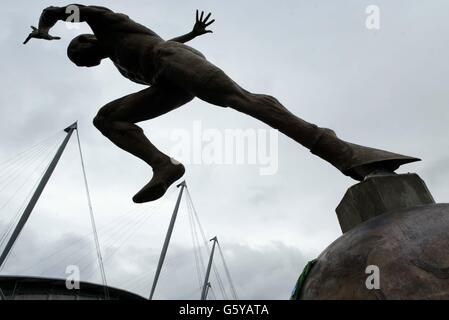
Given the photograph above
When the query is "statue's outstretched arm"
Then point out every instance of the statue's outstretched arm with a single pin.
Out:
(199, 28)
(51, 15)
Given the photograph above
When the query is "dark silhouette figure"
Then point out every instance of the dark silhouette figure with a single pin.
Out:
(176, 73)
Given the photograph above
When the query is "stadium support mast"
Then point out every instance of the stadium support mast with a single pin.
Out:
(167, 240)
(209, 266)
(37, 193)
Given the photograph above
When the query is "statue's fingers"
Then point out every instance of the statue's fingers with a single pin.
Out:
(33, 28)
(55, 38)
(202, 14)
(207, 17)
(210, 22)
(27, 39)
(197, 15)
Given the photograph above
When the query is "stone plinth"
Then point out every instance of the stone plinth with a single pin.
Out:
(381, 194)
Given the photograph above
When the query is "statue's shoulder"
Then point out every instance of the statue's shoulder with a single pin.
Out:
(107, 14)
(114, 21)
(99, 9)
(103, 14)
(122, 22)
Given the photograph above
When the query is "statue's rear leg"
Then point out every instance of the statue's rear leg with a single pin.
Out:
(117, 121)
(211, 84)
(352, 160)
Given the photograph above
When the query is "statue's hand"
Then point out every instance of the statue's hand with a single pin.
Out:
(39, 34)
(202, 23)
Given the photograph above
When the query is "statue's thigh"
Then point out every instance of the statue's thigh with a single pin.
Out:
(146, 104)
(199, 77)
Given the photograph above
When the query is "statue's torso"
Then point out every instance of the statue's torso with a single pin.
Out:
(138, 53)
(133, 55)
(128, 44)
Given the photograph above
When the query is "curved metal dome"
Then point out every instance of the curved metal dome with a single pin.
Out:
(409, 247)
(35, 288)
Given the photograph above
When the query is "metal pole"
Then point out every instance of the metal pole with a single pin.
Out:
(167, 240)
(29, 208)
(209, 266)
(207, 290)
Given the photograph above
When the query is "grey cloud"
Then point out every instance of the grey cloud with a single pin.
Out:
(384, 89)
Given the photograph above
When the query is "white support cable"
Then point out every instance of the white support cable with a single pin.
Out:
(81, 259)
(120, 242)
(23, 183)
(19, 166)
(213, 293)
(15, 169)
(8, 232)
(36, 195)
(140, 281)
(203, 234)
(30, 149)
(92, 219)
(16, 218)
(198, 242)
(23, 156)
(197, 239)
(216, 274)
(73, 243)
(192, 233)
(228, 274)
(126, 230)
(16, 173)
(193, 293)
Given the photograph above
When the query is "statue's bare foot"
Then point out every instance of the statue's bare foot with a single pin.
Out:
(163, 178)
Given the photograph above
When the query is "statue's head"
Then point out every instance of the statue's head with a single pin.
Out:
(85, 51)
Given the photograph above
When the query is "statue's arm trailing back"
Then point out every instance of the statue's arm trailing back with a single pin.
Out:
(51, 15)
(199, 28)
(97, 17)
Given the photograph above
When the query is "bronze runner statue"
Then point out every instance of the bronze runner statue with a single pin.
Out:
(175, 74)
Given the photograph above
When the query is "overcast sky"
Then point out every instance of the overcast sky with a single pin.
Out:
(383, 88)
